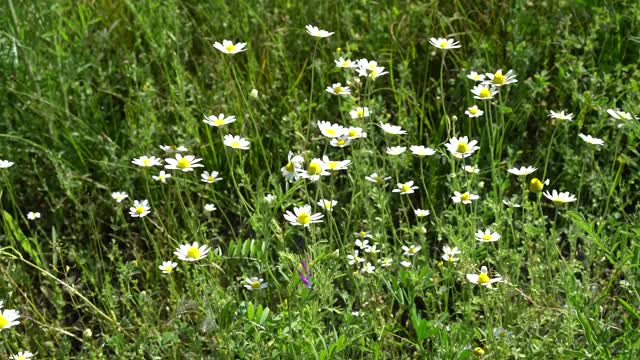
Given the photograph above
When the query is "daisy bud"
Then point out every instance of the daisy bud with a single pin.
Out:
(536, 185)
(478, 351)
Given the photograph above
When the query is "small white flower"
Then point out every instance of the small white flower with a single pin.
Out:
(386, 262)
(191, 252)
(316, 169)
(9, 318)
(33, 215)
(236, 142)
(559, 198)
(314, 31)
(421, 213)
(475, 76)
(373, 249)
(500, 79)
(146, 161)
(509, 203)
(378, 179)
(173, 148)
(362, 234)
(411, 250)
(228, 47)
(362, 243)
(254, 93)
(217, 121)
(22, 355)
(210, 177)
(354, 132)
(345, 63)
(184, 163)
(620, 115)
(167, 267)
(209, 207)
(474, 112)
(405, 263)
(591, 140)
(340, 142)
(461, 147)
(501, 333)
(471, 169)
(338, 89)
(419, 150)
(368, 268)
(392, 129)
(327, 204)
(483, 92)
(396, 150)
(4, 164)
(522, 171)
(444, 44)
(140, 208)
(560, 115)
(450, 254)
(482, 278)
(162, 177)
(255, 283)
(330, 130)
(465, 198)
(354, 259)
(269, 198)
(118, 196)
(303, 216)
(405, 188)
(335, 165)
(291, 170)
(487, 236)
(359, 113)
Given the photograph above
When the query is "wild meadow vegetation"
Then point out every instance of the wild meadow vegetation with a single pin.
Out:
(410, 180)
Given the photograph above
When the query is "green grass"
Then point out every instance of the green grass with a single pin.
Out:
(88, 86)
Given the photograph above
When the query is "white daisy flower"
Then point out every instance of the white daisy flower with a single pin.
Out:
(591, 140)
(118, 196)
(475, 76)
(315, 170)
(620, 115)
(362, 243)
(8, 318)
(483, 92)
(396, 150)
(487, 236)
(191, 252)
(559, 198)
(345, 63)
(228, 47)
(338, 89)
(560, 115)
(354, 132)
(31, 215)
(209, 207)
(421, 213)
(162, 176)
(392, 129)
(167, 267)
(444, 44)
(210, 177)
(236, 142)
(315, 32)
(522, 171)
(22, 355)
(405, 188)
(509, 203)
(378, 179)
(471, 169)
(291, 170)
(327, 204)
(330, 130)
(146, 161)
(172, 148)
(420, 150)
(184, 163)
(140, 208)
(405, 263)
(465, 198)
(500, 79)
(335, 165)
(359, 113)
(482, 278)
(303, 216)
(254, 283)
(4, 164)
(474, 112)
(386, 262)
(368, 268)
(340, 142)
(220, 120)
(461, 147)
(354, 259)
(449, 254)
(411, 250)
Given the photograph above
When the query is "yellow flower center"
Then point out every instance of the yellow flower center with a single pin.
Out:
(330, 131)
(443, 44)
(304, 218)
(360, 113)
(314, 169)
(341, 142)
(327, 205)
(483, 279)
(345, 63)
(235, 144)
(374, 74)
(218, 121)
(465, 197)
(168, 269)
(140, 210)
(3, 321)
(146, 162)
(22, 357)
(405, 188)
(462, 147)
(289, 167)
(337, 89)
(183, 163)
(485, 93)
(476, 77)
(486, 237)
(173, 147)
(211, 178)
(193, 252)
(558, 201)
(230, 47)
(255, 284)
(498, 78)
(473, 110)
(352, 133)
(332, 164)
(412, 250)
